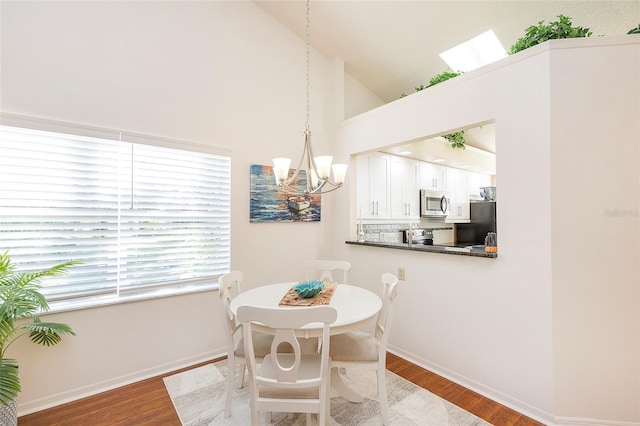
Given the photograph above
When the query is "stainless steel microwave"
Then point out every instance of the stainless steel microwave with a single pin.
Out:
(433, 204)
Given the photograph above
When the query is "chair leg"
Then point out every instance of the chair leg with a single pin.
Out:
(255, 415)
(243, 368)
(231, 377)
(382, 394)
(323, 415)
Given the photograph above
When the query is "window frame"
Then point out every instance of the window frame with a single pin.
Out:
(151, 291)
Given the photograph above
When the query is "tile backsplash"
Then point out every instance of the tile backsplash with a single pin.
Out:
(384, 233)
(392, 232)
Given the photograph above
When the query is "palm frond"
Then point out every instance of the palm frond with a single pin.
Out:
(47, 333)
(32, 278)
(9, 380)
(7, 328)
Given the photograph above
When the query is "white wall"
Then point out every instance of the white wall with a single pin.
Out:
(219, 73)
(596, 291)
(358, 98)
(531, 327)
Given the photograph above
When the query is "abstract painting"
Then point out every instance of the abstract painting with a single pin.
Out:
(272, 204)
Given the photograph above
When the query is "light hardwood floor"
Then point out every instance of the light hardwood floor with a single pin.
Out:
(147, 403)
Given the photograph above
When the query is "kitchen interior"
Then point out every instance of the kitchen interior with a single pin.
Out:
(425, 195)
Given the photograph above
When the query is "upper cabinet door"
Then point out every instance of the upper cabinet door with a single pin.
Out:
(431, 177)
(373, 185)
(404, 195)
(362, 187)
(379, 180)
(457, 192)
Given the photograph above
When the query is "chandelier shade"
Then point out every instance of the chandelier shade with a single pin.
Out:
(317, 169)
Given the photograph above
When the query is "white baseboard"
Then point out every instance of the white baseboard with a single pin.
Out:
(573, 421)
(499, 397)
(116, 382)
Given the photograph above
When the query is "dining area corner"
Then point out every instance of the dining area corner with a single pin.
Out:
(299, 341)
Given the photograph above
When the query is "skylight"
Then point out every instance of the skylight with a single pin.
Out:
(480, 50)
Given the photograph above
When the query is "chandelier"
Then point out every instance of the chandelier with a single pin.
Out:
(318, 169)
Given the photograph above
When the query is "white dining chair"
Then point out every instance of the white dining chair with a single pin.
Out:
(357, 349)
(324, 269)
(229, 288)
(290, 381)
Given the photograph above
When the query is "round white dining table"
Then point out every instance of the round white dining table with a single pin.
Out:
(355, 306)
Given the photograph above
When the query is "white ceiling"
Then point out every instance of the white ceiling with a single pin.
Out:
(392, 46)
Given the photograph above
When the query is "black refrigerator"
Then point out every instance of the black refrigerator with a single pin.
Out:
(482, 221)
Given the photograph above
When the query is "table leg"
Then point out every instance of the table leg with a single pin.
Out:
(337, 382)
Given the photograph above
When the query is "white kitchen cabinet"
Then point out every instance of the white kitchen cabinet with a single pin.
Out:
(431, 177)
(373, 172)
(477, 181)
(458, 194)
(404, 194)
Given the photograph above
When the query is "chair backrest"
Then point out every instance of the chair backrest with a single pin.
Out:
(389, 293)
(285, 362)
(325, 268)
(229, 287)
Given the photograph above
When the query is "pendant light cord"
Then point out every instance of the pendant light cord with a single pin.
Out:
(308, 74)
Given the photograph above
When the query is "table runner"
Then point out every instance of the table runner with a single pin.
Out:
(291, 298)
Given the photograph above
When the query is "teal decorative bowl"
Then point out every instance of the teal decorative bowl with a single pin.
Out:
(308, 289)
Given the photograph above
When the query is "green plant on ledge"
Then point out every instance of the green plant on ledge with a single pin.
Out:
(635, 30)
(20, 298)
(562, 28)
(443, 76)
(457, 138)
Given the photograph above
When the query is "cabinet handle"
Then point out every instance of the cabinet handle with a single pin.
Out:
(373, 210)
(377, 208)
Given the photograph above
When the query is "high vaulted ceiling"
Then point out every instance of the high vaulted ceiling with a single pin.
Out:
(392, 46)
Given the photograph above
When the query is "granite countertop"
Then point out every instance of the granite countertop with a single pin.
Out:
(452, 248)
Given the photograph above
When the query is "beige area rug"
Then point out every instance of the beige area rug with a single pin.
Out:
(198, 396)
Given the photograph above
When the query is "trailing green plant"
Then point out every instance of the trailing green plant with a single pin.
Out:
(20, 298)
(635, 30)
(562, 28)
(456, 139)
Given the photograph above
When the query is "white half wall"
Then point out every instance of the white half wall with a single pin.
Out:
(530, 328)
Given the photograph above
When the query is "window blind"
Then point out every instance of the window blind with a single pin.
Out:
(137, 216)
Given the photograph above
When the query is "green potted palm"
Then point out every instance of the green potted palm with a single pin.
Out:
(20, 298)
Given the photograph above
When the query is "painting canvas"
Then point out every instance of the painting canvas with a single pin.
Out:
(271, 204)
